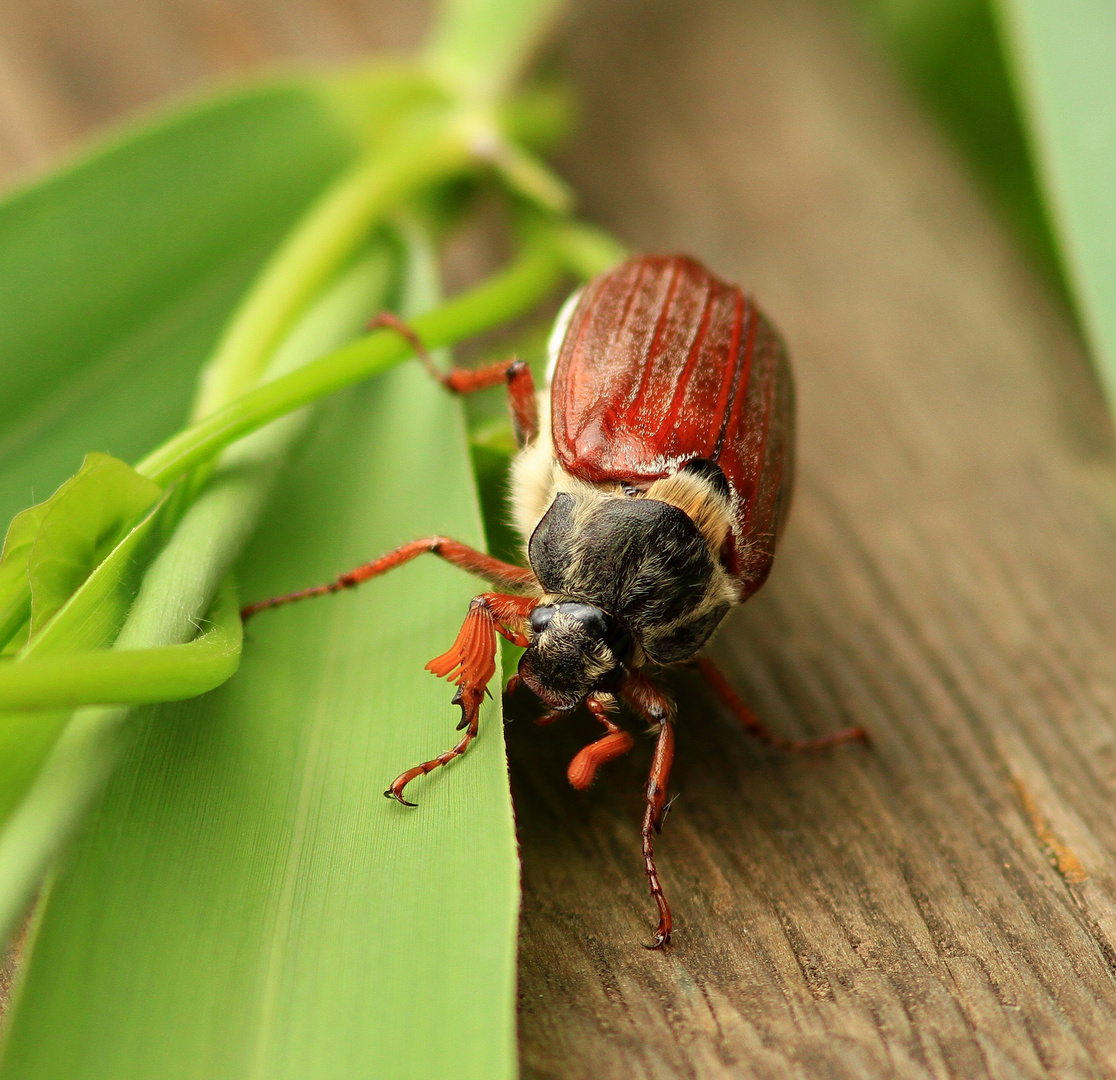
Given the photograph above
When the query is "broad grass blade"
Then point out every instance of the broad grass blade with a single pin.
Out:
(246, 903)
(1064, 57)
(55, 782)
(116, 274)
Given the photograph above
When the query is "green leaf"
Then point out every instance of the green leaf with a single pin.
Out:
(310, 890)
(89, 620)
(116, 273)
(80, 522)
(53, 547)
(176, 591)
(115, 276)
(1064, 57)
(211, 532)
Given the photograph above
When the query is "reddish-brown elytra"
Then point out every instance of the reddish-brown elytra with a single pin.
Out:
(653, 480)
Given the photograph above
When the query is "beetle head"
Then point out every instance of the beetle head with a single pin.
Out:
(642, 560)
(575, 648)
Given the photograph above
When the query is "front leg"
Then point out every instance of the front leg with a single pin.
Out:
(583, 769)
(653, 822)
(647, 699)
(470, 663)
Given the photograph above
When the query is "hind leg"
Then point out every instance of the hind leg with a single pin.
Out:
(515, 373)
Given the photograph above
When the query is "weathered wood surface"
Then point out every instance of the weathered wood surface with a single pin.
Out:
(943, 904)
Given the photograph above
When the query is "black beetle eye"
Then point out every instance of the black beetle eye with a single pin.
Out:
(709, 471)
(540, 618)
(598, 624)
(591, 618)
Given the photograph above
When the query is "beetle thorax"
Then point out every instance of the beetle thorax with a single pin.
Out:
(643, 561)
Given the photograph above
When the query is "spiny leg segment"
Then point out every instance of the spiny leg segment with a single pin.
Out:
(651, 703)
(467, 558)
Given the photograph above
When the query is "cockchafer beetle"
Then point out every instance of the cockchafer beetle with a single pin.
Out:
(653, 479)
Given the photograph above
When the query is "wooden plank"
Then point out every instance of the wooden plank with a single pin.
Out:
(944, 903)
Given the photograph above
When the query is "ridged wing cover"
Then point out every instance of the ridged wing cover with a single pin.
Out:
(663, 362)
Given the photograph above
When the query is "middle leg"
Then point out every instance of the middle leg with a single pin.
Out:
(467, 558)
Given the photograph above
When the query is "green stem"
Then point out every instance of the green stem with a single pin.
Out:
(130, 676)
(500, 298)
(329, 234)
(480, 47)
(587, 251)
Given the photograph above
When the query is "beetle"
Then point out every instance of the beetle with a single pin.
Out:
(652, 483)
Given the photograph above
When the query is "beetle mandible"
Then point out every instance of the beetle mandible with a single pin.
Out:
(653, 480)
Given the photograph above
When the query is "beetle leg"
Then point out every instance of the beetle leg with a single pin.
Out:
(475, 562)
(756, 727)
(470, 710)
(583, 768)
(653, 822)
(647, 699)
(514, 372)
(470, 662)
(521, 391)
(522, 401)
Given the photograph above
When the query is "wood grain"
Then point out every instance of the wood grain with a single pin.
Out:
(942, 904)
